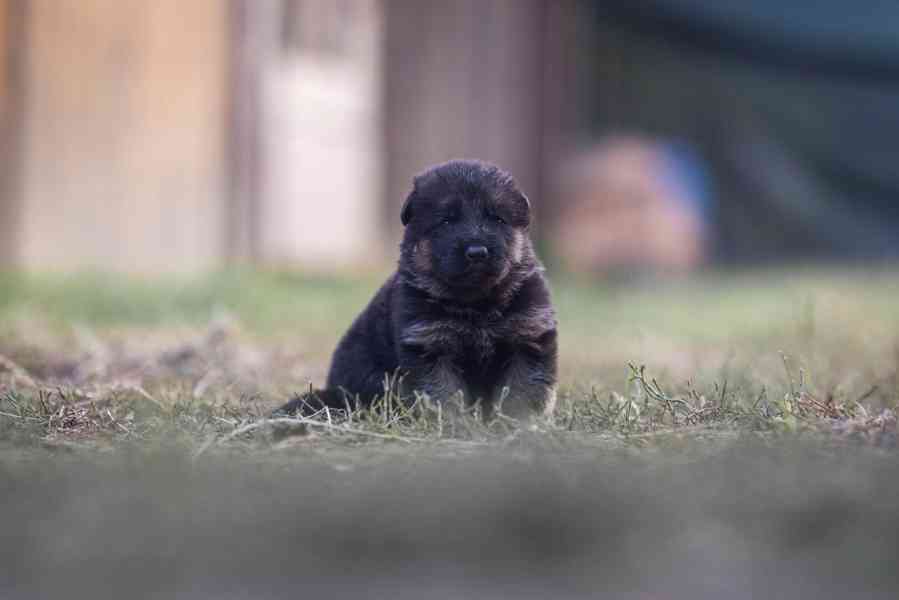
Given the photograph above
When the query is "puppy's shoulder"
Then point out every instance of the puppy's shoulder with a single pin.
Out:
(533, 293)
(531, 314)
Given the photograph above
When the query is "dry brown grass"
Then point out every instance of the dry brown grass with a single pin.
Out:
(774, 355)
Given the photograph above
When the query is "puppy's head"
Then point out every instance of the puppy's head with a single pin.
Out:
(466, 229)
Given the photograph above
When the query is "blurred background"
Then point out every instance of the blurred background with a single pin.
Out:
(655, 136)
(197, 197)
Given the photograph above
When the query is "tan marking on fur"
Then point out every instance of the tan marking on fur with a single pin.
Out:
(524, 398)
(433, 335)
(517, 248)
(440, 382)
(423, 334)
(421, 256)
(531, 324)
(443, 381)
(550, 406)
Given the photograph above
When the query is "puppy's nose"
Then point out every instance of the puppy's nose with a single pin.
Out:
(476, 253)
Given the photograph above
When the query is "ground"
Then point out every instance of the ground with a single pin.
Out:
(99, 360)
(732, 434)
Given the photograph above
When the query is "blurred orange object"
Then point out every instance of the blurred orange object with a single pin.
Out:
(621, 210)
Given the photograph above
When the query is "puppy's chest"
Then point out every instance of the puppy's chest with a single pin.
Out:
(477, 343)
(471, 339)
(480, 337)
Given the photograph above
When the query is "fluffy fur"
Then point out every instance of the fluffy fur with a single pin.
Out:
(445, 322)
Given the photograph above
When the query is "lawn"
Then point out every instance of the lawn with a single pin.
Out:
(101, 360)
(729, 436)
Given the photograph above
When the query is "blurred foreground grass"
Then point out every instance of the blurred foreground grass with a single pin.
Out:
(102, 358)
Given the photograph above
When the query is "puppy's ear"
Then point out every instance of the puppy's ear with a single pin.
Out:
(406, 214)
(522, 209)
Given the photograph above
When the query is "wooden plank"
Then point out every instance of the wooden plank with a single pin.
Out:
(463, 79)
(124, 135)
(319, 205)
(249, 49)
(12, 97)
(4, 57)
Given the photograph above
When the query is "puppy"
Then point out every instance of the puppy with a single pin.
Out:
(468, 309)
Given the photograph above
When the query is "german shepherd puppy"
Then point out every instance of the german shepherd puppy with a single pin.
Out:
(468, 309)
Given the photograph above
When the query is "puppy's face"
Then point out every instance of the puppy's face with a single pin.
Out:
(466, 227)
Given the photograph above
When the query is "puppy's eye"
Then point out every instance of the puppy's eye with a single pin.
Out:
(445, 221)
(498, 219)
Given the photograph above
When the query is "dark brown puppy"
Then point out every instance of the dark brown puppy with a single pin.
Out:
(468, 309)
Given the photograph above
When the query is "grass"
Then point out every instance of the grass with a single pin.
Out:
(267, 302)
(96, 360)
(730, 436)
